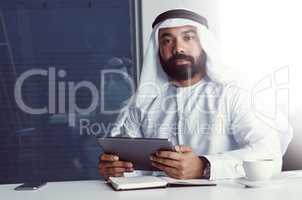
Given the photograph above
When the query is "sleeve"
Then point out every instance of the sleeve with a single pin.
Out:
(256, 140)
(127, 124)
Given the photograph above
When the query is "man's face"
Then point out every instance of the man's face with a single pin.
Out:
(180, 52)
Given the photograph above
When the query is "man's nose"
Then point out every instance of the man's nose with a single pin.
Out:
(178, 48)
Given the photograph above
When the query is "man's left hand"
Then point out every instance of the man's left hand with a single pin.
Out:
(181, 164)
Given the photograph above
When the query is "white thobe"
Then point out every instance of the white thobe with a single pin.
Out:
(215, 120)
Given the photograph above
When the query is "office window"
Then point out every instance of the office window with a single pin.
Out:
(56, 57)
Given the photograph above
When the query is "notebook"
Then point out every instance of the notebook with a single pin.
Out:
(148, 182)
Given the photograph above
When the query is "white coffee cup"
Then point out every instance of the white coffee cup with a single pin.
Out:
(258, 170)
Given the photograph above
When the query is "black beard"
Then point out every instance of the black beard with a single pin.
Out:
(186, 71)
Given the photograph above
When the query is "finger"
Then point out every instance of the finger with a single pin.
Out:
(115, 170)
(103, 173)
(106, 176)
(122, 164)
(116, 164)
(169, 154)
(176, 176)
(168, 170)
(118, 169)
(109, 157)
(113, 173)
(167, 162)
(183, 149)
(129, 169)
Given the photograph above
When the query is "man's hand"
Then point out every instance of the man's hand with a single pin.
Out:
(109, 165)
(182, 164)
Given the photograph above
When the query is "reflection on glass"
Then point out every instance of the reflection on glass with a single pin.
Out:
(77, 39)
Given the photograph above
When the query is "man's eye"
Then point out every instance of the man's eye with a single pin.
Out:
(166, 41)
(188, 38)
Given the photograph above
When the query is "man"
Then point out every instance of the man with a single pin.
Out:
(184, 97)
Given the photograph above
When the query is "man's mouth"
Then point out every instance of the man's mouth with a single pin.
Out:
(181, 61)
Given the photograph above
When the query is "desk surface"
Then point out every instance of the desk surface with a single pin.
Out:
(287, 188)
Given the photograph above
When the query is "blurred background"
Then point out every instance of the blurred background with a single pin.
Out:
(75, 40)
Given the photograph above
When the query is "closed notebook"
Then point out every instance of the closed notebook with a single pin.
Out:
(145, 182)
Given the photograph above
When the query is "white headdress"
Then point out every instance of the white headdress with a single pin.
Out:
(153, 80)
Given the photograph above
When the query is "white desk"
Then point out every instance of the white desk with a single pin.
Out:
(290, 188)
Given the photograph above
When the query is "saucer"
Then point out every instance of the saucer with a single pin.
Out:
(252, 184)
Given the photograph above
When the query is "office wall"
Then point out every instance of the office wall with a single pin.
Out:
(260, 42)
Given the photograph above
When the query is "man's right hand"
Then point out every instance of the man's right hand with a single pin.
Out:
(109, 165)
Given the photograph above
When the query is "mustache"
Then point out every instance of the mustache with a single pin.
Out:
(181, 56)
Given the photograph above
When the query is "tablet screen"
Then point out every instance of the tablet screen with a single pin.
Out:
(135, 150)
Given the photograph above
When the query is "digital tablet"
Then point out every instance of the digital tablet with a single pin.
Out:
(135, 150)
